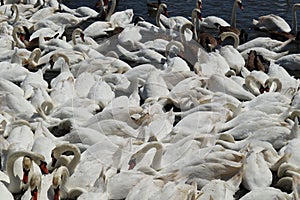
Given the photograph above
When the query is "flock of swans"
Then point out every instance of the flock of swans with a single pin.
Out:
(105, 105)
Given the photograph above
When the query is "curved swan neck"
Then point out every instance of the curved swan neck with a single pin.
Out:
(233, 14)
(224, 35)
(159, 11)
(14, 185)
(14, 8)
(195, 14)
(249, 81)
(173, 43)
(156, 162)
(76, 32)
(35, 56)
(56, 56)
(182, 29)
(269, 83)
(67, 147)
(295, 8)
(19, 44)
(111, 10)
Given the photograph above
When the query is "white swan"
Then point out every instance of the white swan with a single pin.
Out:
(258, 86)
(210, 21)
(60, 149)
(59, 185)
(264, 42)
(172, 22)
(231, 55)
(15, 181)
(221, 83)
(289, 62)
(175, 63)
(273, 22)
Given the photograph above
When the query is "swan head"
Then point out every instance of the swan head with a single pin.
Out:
(163, 8)
(27, 164)
(199, 4)
(60, 177)
(239, 4)
(13, 9)
(35, 185)
(78, 31)
(197, 13)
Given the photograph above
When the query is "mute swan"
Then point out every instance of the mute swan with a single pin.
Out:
(60, 185)
(60, 149)
(229, 52)
(143, 56)
(267, 193)
(8, 86)
(267, 54)
(210, 21)
(98, 29)
(219, 189)
(255, 162)
(155, 86)
(289, 62)
(118, 188)
(14, 181)
(175, 63)
(121, 18)
(211, 63)
(273, 22)
(259, 83)
(32, 63)
(221, 83)
(173, 22)
(264, 42)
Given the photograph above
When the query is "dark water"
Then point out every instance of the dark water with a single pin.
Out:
(221, 8)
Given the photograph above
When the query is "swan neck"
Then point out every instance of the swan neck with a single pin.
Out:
(233, 15)
(156, 162)
(157, 19)
(14, 185)
(111, 10)
(182, 37)
(74, 34)
(294, 18)
(60, 55)
(74, 162)
(249, 81)
(15, 9)
(234, 36)
(76, 159)
(35, 56)
(20, 44)
(173, 43)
